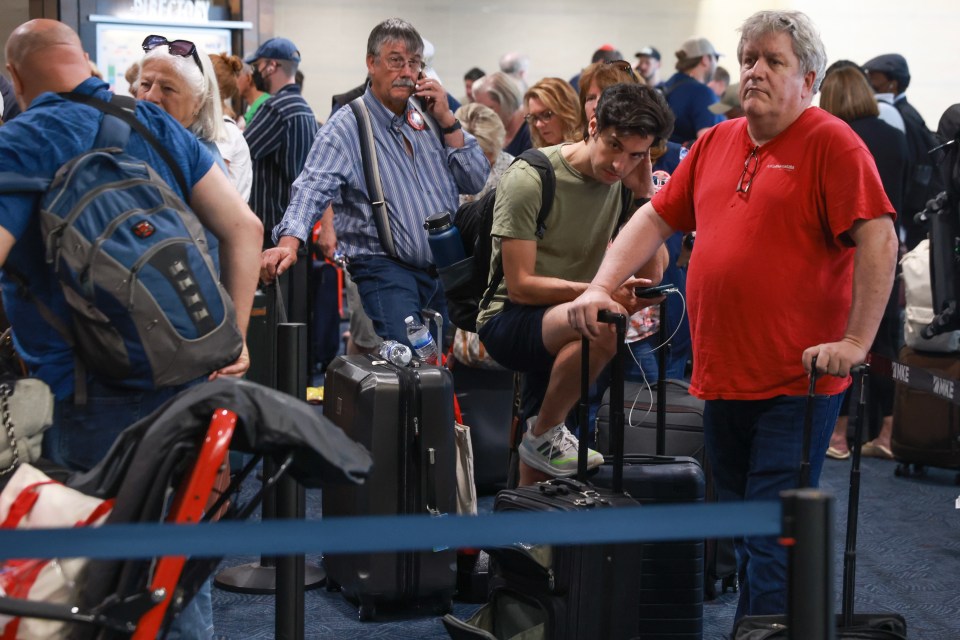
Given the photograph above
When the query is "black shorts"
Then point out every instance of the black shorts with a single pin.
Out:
(514, 337)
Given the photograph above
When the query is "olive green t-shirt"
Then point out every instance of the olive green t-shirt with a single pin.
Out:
(578, 227)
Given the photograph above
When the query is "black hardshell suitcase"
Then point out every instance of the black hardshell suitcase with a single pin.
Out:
(669, 598)
(683, 420)
(404, 417)
(849, 625)
(574, 591)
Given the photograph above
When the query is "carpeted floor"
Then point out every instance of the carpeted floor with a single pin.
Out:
(908, 562)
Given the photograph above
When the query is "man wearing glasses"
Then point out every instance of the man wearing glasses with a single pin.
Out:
(424, 166)
(281, 132)
(794, 259)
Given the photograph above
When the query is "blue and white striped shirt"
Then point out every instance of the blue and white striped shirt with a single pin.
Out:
(414, 187)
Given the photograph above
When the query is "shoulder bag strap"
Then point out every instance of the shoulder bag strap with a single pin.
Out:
(371, 175)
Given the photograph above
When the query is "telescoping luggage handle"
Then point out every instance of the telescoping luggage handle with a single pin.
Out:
(619, 320)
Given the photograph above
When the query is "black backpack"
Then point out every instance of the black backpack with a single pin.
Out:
(468, 286)
(466, 283)
(924, 180)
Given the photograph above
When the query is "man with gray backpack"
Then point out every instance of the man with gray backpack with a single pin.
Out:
(114, 298)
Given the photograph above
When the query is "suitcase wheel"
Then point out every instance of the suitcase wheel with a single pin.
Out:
(730, 582)
(906, 470)
(368, 609)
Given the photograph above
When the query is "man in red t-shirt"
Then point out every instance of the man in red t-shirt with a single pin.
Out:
(794, 258)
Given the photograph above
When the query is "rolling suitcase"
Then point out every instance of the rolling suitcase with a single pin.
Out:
(404, 417)
(869, 626)
(926, 428)
(667, 420)
(560, 592)
(669, 599)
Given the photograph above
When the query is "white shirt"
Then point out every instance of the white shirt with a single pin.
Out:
(236, 154)
(889, 113)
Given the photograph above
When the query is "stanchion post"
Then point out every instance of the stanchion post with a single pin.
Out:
(291, 497)
(808, 535)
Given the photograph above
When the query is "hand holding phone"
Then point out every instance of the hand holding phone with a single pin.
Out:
(654, 292)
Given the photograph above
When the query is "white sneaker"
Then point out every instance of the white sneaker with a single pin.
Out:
(555, 452)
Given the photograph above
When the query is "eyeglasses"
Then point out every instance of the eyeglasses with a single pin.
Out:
(534, 118)
(749, 170)
(622, 65)
(182, 48)
(395, 63)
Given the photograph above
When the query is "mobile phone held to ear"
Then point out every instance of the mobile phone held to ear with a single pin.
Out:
(425, 103)
(654, 292)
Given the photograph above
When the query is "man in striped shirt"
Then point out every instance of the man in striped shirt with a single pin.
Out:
(281, 132)
(423, 170)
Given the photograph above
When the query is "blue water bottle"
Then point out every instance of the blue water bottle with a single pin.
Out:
(444, 238)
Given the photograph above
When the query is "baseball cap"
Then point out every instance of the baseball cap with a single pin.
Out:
(275, 49)
(649, 52)
(730, 99)
(696, 48)
(892, 64)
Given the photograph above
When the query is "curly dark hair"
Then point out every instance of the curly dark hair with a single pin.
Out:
(635, 109)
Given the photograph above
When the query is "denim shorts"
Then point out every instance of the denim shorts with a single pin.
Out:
(514, 337)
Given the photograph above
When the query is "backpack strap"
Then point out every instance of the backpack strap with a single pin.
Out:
(666, 91)
(548, 187)
(371, 175)
(114, 108)
(65, 331)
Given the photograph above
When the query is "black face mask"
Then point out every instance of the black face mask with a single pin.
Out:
(258, 80)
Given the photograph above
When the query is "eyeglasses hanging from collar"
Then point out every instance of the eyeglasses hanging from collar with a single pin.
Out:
(182, 48)
(749, 170)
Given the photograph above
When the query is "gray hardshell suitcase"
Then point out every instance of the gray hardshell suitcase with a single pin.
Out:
(404, 417)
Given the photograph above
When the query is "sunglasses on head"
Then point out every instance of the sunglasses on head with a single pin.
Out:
(182, 48)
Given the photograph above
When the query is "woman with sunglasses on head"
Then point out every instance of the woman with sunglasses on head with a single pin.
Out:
(553, 113)
(173, 78)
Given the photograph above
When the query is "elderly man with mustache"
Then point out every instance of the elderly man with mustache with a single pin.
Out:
(425, 162)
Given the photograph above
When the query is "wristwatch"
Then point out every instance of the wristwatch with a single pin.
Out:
(454, 127)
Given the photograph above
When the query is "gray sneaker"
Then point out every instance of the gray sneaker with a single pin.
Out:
(555, 452)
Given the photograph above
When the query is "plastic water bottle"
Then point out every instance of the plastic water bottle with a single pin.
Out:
(396, 352)
(444, 240)
(422, 341)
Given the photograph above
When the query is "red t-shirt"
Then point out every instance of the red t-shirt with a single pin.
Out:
(772, 270)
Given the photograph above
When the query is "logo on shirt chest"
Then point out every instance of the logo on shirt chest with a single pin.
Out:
(784, 167)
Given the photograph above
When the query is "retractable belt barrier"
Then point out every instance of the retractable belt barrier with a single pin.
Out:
(397, 533)
(916, 378)
(370, 534)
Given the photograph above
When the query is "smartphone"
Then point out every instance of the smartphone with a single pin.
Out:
(654, 292)
(425, 103)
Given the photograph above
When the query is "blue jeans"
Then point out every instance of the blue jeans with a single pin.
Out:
(755, 448)
(391, 291)
(643, 364)
(81, 436)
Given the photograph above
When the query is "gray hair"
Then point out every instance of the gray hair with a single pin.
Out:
(807, 44)
(208, 124)
(504, 91)
(514, 63)
(485, 125)
(394, 29)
